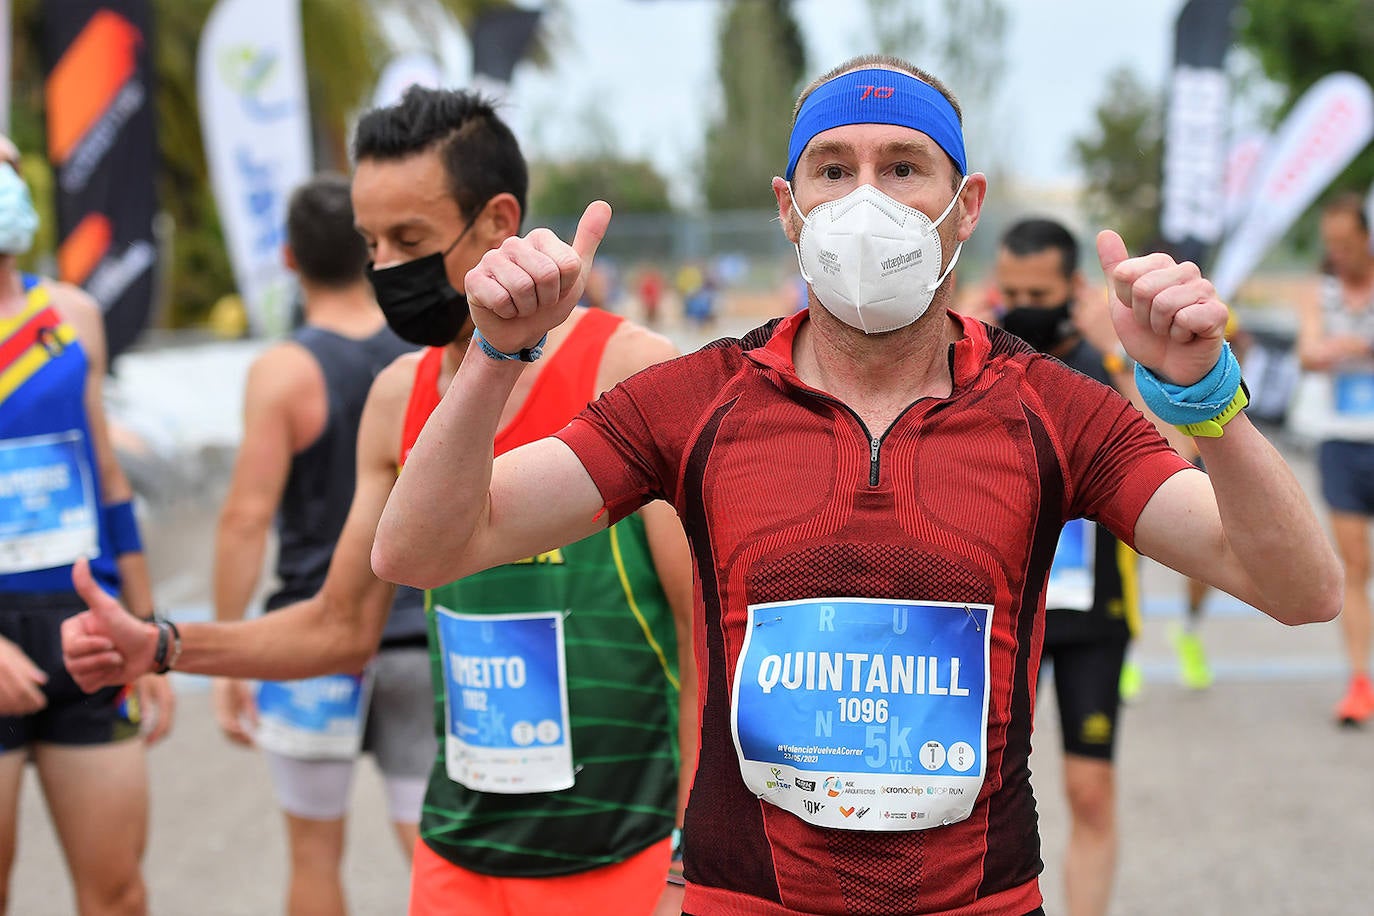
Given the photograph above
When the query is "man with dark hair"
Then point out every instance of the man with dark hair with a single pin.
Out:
(559, 779)
(873, 490)
(297, 463)
(1092, 601)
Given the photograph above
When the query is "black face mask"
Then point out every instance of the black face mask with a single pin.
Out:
(1042, 328)
(419, 303)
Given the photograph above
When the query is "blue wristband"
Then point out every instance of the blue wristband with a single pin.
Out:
(527, 355)
(1203, 400)
(122, 527)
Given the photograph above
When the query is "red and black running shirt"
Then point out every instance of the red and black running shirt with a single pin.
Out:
(785, 496)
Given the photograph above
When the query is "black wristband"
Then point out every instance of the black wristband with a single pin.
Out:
(168, 645)
(160, 653)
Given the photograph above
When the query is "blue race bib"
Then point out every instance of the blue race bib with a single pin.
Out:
(1071, 575)
(48, 508)
(1353, 393)
(505, 701)
(317, 718)
(864, 714)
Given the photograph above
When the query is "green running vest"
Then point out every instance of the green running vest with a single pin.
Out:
(622, 687)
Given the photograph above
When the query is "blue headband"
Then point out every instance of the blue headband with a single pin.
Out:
(878, 97)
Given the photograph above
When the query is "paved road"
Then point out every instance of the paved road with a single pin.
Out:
(1241, 800)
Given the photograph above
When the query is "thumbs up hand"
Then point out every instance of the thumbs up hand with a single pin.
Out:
(1166, 314)
(520, 291)
(104, 646)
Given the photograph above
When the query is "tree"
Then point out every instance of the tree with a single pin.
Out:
(344, 51)
(761, 63)
(563, 188)
(1297, 44)
(1121, 159)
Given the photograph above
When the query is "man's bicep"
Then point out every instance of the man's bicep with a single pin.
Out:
(541, 497)
(1180, 527)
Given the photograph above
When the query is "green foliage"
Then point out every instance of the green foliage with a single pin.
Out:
(761, 63)
(1121, 160)
(1297, 44)
(560, 189)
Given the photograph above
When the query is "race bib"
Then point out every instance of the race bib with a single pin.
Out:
(48, 508)
(505, 701)
(317, 718)
(1353, 393)
(864, 714)
(1071, 574)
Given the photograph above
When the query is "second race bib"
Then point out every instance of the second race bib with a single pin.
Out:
(48, 509)
(505, 701)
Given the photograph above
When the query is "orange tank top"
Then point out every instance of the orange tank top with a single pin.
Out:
(566, 384)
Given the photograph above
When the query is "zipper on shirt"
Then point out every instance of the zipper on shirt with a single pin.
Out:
(875, 443)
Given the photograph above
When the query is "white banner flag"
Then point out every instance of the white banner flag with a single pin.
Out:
(1327, 128)
(1242, 171)
(255, 119)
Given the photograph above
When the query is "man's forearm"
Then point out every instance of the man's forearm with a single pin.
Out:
(1270, 526)
(294, 642)
(443, 492)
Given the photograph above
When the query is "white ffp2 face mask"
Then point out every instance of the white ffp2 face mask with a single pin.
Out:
(873, 262)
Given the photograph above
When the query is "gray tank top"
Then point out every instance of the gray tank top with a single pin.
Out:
(319, 488)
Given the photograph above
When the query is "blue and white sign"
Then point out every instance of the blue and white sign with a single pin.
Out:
(317, 718)
(864, 714)
(48, 508)
(506, 701)
(1354, 394)
(1071, 574)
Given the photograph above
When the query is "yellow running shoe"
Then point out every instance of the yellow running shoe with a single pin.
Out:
(1132, 681)
(1193, 670)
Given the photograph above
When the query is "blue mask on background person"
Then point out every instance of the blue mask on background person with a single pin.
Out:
(18, 218)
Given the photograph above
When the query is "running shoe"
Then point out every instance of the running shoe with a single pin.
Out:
(1132, 681)
(1193, 670)
(1358, 703)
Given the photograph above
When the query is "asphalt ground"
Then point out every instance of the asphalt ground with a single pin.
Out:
(1243, 799)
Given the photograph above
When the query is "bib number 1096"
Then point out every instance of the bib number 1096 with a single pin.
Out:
(867, 709)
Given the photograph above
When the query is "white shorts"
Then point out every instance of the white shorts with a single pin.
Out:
(399, 734)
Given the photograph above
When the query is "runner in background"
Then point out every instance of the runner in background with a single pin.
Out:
(563, 762)
(1092, 603)
(63, 496)
(297, 463)
(1336, 348)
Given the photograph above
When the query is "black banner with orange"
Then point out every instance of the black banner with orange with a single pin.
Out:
(103, 148)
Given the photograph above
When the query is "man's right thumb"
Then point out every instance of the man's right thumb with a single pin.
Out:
(1111, 251)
